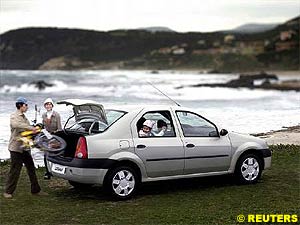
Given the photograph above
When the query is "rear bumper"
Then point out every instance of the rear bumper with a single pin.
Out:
(83, 163)
(80, 175)
(89, 171)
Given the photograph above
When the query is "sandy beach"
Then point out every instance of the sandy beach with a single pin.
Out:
(288, 135)
(284, 72)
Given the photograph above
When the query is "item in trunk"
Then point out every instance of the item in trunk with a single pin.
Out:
(53, 144)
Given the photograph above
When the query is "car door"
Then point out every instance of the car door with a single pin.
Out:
(162, 155)
(205, 150)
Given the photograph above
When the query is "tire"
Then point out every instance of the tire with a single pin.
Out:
(79, 186)
(248, 169)
(121, 182)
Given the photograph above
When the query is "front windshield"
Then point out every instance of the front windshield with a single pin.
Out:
(92, 125)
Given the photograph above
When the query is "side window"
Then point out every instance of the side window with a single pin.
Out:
(156, 124)
(194, 125)
(113, 115)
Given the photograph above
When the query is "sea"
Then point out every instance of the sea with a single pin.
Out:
(235, 109)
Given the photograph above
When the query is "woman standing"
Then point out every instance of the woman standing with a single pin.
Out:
(52, 123)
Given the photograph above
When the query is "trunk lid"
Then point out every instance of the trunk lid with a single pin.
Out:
(90, 118)
(86, 109)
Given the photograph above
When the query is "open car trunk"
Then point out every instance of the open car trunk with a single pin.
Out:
(88, 118)
(71, 140)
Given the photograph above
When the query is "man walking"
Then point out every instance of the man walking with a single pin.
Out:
(19, 154)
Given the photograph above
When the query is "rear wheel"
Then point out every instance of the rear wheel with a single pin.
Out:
(248, 169)
(121, 182)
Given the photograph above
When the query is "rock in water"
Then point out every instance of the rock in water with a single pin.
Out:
(40, 84)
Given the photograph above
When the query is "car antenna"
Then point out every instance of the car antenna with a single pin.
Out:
(163, 93)
(37, 110)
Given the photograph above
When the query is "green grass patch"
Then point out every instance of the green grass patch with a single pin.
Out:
(213, 200)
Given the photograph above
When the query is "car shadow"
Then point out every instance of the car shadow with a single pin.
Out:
(149, 188)
(186, 184)
(93, 193)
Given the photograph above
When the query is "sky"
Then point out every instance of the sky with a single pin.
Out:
(178, 15)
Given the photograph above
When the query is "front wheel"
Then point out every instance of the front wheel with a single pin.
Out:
(121, 182)
(248, 169)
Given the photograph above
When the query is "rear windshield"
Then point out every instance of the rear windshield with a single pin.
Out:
(89, 124)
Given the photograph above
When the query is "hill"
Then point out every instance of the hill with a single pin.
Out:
(157, 29)
(254, 28)
(53, 48)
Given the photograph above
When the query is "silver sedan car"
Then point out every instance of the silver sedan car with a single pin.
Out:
(122, 147)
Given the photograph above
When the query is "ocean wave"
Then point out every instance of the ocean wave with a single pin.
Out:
(31, 88)
(203, 93)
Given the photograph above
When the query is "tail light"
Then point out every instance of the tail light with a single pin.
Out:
(81, 149)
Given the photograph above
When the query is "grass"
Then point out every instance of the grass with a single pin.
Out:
(214, 200)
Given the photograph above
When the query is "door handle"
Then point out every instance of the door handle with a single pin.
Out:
(190, 146)
(141, 146)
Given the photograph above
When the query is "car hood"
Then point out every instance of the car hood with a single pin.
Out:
(86, 109)
(238, 139)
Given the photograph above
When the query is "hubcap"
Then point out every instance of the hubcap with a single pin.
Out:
(250, 169)
(123, 183)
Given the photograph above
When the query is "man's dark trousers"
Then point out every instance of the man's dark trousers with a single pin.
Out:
(17, 160)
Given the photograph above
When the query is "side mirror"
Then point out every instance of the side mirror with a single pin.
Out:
(223, 132)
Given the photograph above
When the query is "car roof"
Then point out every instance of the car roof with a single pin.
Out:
(123, 106)
(147, 107)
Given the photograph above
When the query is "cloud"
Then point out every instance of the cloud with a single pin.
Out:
(188, 15)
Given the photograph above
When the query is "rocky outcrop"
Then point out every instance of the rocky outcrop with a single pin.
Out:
(247, 80)
(65, 63)
(267, 81)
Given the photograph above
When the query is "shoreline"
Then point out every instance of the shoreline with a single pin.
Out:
(183, 69)
(285, 136)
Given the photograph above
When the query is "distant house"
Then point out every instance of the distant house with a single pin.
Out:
(174, 47)
(287, 35)
(217, 44)
(178, 51)
(229, 49)
(228, 39)
(287, 41)
(201, 42)
(251, 47)
(164, 51)
(285, 45)
(267, 43)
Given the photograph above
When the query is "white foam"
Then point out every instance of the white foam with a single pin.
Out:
(30, 88)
